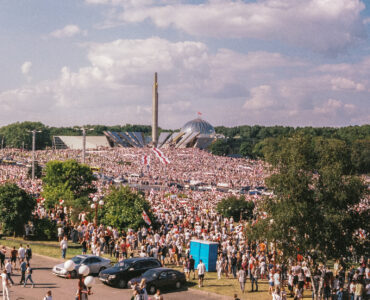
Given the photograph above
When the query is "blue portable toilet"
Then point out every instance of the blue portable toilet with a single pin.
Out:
(206, 251)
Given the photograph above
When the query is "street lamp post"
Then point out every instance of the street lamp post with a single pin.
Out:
(84, 280)
(95, 206)
(83, 129)
(33, 151)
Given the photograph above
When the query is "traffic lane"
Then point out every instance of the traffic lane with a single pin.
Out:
(64, 289)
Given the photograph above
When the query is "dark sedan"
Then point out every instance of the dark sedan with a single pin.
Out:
(127, 269)
(161, 278)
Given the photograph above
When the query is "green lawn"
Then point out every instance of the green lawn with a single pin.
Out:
(227, 287)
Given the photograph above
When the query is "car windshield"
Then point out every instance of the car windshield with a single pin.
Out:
(150, 274)
(121, 264)
(77, 260)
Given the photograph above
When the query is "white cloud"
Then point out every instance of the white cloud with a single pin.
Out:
(228, 87)
(262, 98)
(68, 31)
(26, 67)
(323, 26)
(340, 83)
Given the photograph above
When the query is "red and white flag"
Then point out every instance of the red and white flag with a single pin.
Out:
(146, 160)
(146, 218)
(162, 158)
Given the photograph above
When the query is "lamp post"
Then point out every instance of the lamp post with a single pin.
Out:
(33, 151)
(83, 129)
(84, 280)
(95, 206)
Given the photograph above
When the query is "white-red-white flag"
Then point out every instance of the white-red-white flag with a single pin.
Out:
(146, 218)
(162, 158)
(146, 160)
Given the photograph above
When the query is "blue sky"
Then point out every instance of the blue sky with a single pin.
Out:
(267, 62)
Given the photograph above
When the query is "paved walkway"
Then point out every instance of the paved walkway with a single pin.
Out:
(65, 289)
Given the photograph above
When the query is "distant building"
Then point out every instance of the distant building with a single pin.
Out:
(75, 142)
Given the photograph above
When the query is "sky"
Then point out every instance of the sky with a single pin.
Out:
(265, 62)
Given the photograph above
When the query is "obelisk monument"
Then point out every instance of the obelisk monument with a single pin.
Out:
(155, 111)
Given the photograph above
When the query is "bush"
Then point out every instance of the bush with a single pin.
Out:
(45, 229)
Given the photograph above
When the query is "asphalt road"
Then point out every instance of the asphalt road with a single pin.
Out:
(65, 289)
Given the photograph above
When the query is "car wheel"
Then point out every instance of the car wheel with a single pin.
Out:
(178, 284)
(74, 274)
(152, 289)
(122, 283)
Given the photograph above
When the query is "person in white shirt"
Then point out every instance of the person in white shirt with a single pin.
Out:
(201, 268)
(8, 268)
(21, 253)
(4, 277)
(64, 246)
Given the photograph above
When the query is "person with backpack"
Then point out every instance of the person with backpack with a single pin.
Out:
(28, 254)
(28, 276)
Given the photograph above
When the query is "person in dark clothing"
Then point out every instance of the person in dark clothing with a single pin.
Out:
(23, 268)
(28, 253)
(191, 266)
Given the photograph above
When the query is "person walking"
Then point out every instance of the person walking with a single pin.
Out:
(28, 276)
(64, 246)
(9, 268)
(28, 253)
(6, 284)
(201, 268)
(242, 279)
(21, 253)
(23, 268)
(13, 256)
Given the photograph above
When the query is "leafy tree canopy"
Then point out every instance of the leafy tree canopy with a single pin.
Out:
(315, 197)
(236, 208)
(17, 135)
(15, 208)
(67, 180)
(123, 209)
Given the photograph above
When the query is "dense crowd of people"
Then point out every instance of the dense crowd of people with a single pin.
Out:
(192, 216)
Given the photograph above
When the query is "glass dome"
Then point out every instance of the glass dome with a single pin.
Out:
(198, 125)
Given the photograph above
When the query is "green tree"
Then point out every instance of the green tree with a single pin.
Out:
(123, 209)
(220, 147)
(15, 208)
(315, 198)
(67, 180)
(360, 156)
(236, 208)
(17, 135)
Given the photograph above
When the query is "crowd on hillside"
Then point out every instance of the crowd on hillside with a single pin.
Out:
(194, 216)
(187, 165)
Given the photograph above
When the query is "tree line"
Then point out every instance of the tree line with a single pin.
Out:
(250, 141)
(246, 141)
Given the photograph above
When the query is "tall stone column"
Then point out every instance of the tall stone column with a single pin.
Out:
(155, 111)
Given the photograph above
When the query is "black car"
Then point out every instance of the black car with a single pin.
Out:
(160, 278)
(127, 269)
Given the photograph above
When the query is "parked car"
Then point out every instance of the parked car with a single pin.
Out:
(127, 269)
(160, 278)
(96, 264)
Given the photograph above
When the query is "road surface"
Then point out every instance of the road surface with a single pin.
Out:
(65, 289)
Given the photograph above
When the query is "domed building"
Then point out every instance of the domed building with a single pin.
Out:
(196, 133)
(198, 125)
